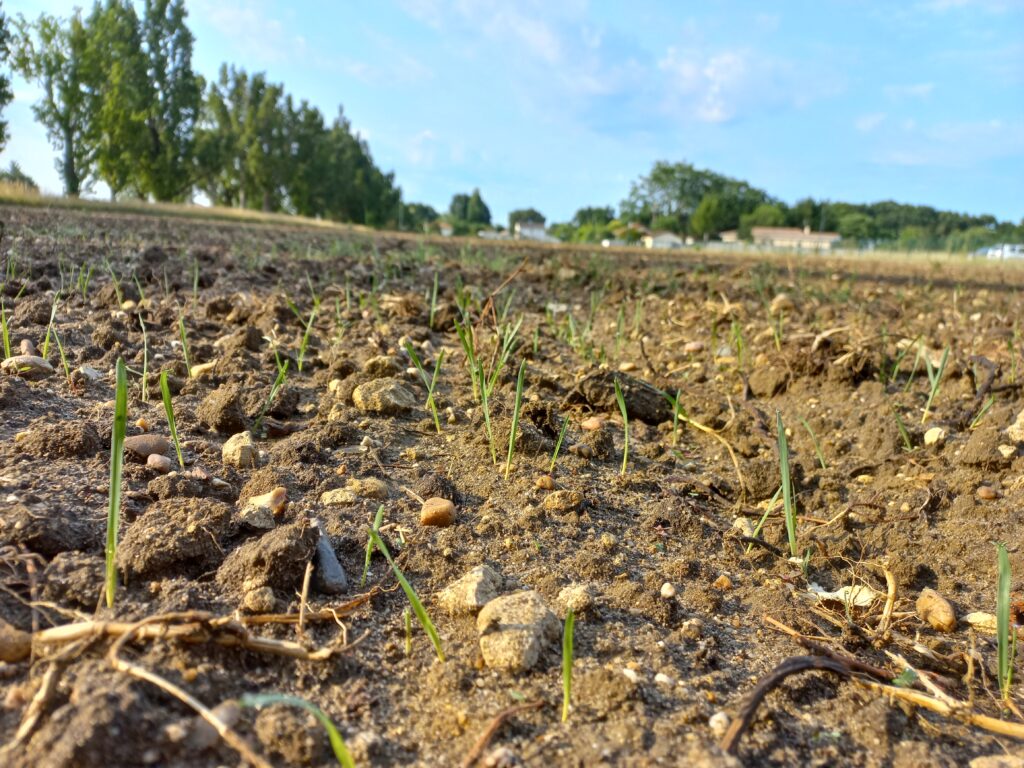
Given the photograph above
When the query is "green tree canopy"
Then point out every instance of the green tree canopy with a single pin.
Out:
(5, 82)
(764, 215)
(477, 211)
(525, 216)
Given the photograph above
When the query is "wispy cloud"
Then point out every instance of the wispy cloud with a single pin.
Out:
(868, 123)
(909, 91)
(988, 6)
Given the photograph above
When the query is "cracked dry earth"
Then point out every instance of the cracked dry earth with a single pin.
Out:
(681, 608)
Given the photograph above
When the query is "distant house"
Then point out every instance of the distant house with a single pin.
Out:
(795, 238)
(445, 228)
(662, 240)
(533, 230)
(730, 236)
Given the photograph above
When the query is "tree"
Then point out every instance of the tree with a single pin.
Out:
(593, 215)
(5, 83)
(764, 215)
(525, 216)
(710, 217)
(477, 211)
(14, 175)
(120, 95)
(856, 227)
(175, 102)
(417, 217)
(52, 54)
(458, 209)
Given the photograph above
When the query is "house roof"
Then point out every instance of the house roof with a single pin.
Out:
(792, 233)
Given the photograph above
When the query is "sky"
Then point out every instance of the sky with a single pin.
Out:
(560, 105)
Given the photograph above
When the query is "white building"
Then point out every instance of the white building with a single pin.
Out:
(533, 230)
(662, 240)
(794, 238)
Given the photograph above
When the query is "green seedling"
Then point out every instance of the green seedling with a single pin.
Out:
(63, 357)
(485, 404)
(417, 606)
(515, 418)
(138, 286)
(788, 501)
(904, 434)
(195, 280)
(430, 382)
(620, 329)
(282, 374)
(165, 392)
(304, 344)
(84, 276)
(378, 519)
(677, 413)
(899, 359)
(764, 517)
(814, 439)
(184, 344)
(433, 303)
(934, 380)
(465, 333)
(738, 343)
(1006, 635)
(567, 658)
(625, 426)
(145, 362)
(260, 700)
(558, 444)
(984, 409)
(5, 331)
(49, 326)
(116, 282)
(116, 464)
(407, 617)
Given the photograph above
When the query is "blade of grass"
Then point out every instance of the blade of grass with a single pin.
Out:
(814, 439)
(116, 463)
(1005, 634)
(625, 426)
(260, 700)
(417, 606)
(788, 503)
(377, 520)
(184, 343)
(515, 418)
(5, 331)
(165, 392)
(558, 444)
(567, 658)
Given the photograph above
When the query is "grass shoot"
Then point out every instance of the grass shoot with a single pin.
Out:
(63, 357)
(567, 658)
(817, 444)
(788, 501)
(165, 392)
(116, 465)
(515, 418)
(1006, 635)
(5, 332)
(184, 343)
(417, 606)
(378, 520)
(430, 382)
(260, 700)
(558, 444)
(625, 426)
(934, 380)
(282, 374)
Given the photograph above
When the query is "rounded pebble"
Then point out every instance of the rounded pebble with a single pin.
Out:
(437, 512)
(144, 446)
(545, 483)
(987, 493)
(668, 590)
(160, 463)
(592, 423)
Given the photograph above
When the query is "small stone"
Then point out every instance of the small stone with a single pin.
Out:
(662, 679)
(997, 761)
(160, 463)
(199, 370)
(382, 365)
(723, 583)
(668, 590)
(744, 526)
(592, 423)
(472, 591)
(240, 451)
(562, 501)
(337, 497)
(334, 385)
(719, 724)
(328, 575)
(203, 735)
(987, 493)
(368, 488)
(28, 348)
(1016, 430)
(27, 366)
(627, 366)
(632, 675)
(260, 511)
(15, 644)
(935, 436)
(89, 373)
(693, 347)
(577, 598)
(582, 450)
(145, 446)
(142, 424)
(387, 397)
(545, 483)
(936, 610)
(692, 629)
(259, 600)
(1007, 451)
(437, 512)
(514, 629)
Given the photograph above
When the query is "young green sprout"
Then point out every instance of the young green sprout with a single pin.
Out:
(5, 331)
(260, 700)
(377, 520)
(304, 344)
(433, 303)
(558, 444)
(430, 382)
(417, 606)
(145, 362)
(934, 381)
(1006, 633)
(282, 374)
(407, 617)
(515, 418)
(788, 501)
(49, 327)
(116, 464)
(567, 658)
(184, 343)
(165, 392)
(814, 439)
(625, 426)
(63, 357)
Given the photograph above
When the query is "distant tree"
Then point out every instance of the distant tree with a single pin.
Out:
(764, 215)
(525, 216)
(670, 222)
(973, 238)
(5, 82)
(856, 227)
(917, 238)
(710, 217)
(52, 54)
(593, 215)
(418, 217)
(477, 211)
(458, 209)
(14, 175)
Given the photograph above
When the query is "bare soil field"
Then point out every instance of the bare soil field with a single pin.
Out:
(243, 571)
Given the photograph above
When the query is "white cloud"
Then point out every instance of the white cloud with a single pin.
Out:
(910, 91)
(868, 123)
(988, 6)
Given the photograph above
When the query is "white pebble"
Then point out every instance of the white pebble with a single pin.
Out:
(668, 590)
(719, 724)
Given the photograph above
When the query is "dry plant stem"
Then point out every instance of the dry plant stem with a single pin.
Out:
(303, 599)
(736, 465)
(35, 708)
(890, 601)
(492, 729)
(141, 673)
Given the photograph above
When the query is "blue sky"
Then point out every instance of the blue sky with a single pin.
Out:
(558, 105)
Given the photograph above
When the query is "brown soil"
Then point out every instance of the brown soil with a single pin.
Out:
(652, 672)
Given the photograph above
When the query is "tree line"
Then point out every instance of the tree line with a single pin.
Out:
(122, 105)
